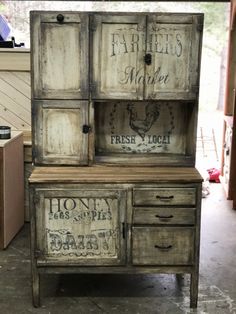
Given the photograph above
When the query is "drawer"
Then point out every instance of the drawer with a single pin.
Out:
(162, 246)
(164, 196)
(164, 215)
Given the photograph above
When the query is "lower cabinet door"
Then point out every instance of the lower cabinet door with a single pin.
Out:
(75, 226)
(162, 246)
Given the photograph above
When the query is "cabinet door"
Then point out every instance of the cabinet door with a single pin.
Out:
(59, 55)
(146, 57)
(80, 226)
(58, 132)
(118, 47)
(173, 48)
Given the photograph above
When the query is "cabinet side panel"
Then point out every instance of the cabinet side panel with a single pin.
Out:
(13, 189)
(1, 199)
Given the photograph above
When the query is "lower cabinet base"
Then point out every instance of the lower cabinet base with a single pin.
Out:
(37, 272)
(140, 225)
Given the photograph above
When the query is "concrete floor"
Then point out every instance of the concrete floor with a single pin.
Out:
(144, 294)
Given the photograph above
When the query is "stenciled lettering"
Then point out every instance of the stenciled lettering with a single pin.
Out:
(164, 41)
(80, 209)
(132, 75)
(102, 242)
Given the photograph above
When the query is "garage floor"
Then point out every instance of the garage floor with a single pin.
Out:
(144, 294)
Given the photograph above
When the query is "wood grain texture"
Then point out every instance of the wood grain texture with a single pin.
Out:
(15, 59)
(58, 133)
(60, 55)
(164, 216)
(15, 104)
(105, 174)
(162, 246)
(81, 225)
(170, 41)
(164, 196)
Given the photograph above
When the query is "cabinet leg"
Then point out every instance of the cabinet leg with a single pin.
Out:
(36, 288)
(194, 290)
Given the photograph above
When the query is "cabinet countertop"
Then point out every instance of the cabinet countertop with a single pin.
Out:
(14, 135)
(114, 174)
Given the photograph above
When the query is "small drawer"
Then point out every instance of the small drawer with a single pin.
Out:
(164, 215)
(162, 246)
(164, 196)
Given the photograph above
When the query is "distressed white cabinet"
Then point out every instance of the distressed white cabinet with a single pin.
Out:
(117, 93)
(140, 56)
(59, 59)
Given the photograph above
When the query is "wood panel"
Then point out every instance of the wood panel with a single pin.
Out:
(81, 226)
(58, 132)
(60, 55)
(164, 215)
(152, 129)
(14, 59)
(15, 105)
(114, 174)
(174, 43)
(112, 58)
(164, 196)
(163, 246)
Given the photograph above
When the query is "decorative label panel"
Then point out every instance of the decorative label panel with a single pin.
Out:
(82, 225)
(135, 127)
(154, 56)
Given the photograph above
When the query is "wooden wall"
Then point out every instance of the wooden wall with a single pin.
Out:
(15, 106)
(15, 102)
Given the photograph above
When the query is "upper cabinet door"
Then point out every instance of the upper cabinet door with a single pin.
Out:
(138, 57)
(173, 46)
(118, 47)
(59, 45)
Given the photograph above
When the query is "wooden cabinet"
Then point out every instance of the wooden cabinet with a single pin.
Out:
(115, 96)
(112, 219)
(139, 57)
(11, 187)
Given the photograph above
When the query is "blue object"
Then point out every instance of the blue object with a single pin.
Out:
(4, 28)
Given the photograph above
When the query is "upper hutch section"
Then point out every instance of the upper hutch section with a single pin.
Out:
(130, 56)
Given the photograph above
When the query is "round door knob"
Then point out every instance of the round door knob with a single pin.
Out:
(60, 18)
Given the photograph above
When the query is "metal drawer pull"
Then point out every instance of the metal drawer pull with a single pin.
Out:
(164, 217)
(164, 248)
(165, 198)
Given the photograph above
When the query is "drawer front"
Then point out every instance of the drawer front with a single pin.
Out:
(164, 196)
(164, 215)
(162, 246)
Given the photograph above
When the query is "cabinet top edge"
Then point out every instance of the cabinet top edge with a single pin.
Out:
(118, 13)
